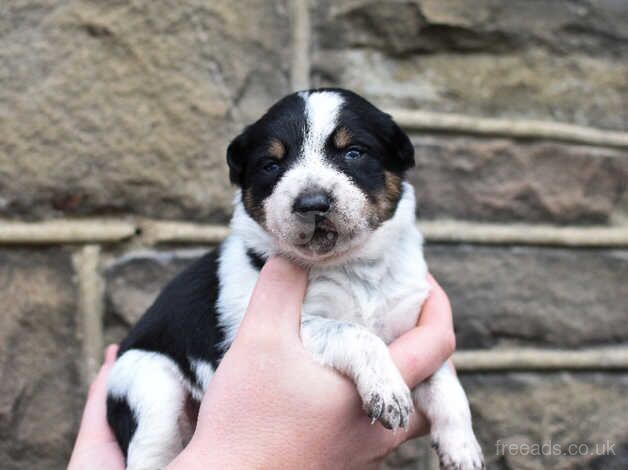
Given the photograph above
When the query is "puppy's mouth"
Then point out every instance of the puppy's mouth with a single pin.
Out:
(318, 235)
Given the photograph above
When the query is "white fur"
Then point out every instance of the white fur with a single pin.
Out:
(237, 276)
(379, 288)
(380, 284)
(349, 209)
(204, 373)
(322, 109)
(443, 401)
(155, 390)
(362, 356)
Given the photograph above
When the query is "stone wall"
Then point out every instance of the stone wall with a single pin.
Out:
(114, 119)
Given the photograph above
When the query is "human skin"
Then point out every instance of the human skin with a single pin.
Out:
(271, 405)
(96, 446)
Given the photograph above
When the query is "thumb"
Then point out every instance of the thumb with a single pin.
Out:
(278, 296)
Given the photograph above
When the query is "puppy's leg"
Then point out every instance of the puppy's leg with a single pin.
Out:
(363, 357)
(442, 399)
(152, 386)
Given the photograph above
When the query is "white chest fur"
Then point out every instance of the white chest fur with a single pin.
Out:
(381, 287)
(383, 294)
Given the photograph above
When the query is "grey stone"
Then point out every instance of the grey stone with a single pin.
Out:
(40, 392)
(112, 107)
(501, 296)
(524, 296)
(554, 60)
(556, 410)
(134, 281)
(503, 180)
(428, 26)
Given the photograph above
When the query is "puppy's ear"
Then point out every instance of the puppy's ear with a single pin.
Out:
(402, 148)
(236, 158)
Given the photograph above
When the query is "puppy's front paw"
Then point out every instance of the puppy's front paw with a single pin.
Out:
(457, 448)
(386, 398)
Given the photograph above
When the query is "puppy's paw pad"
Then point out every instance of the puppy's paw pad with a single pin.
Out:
(374, 406)
(390, 404)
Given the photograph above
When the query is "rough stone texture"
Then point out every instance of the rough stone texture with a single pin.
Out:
(40, 394)
(562, 26)
(543, 59)
(504, 180)
(502, 296)
(109, 107)
(535, 409)
(560, 409)
(134, 281)
(533, 296)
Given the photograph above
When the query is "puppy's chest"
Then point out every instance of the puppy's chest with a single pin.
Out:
(385, 300)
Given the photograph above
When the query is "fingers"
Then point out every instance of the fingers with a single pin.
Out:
(95, 445)
(94, 425)
(436, 309)
(419, 352)
(418, 426)
(278, 296)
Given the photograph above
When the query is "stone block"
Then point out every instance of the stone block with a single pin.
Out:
(117, 107)
(41, 396)
(530, 296)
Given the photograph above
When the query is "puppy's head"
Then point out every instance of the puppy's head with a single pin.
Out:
(320, 171)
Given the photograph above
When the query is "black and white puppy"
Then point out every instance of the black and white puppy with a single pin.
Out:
(321, 179)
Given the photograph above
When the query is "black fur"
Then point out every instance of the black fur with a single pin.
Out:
(374, 129)
(285, 120)
(122, 421)
(256, 260)
(183, 324)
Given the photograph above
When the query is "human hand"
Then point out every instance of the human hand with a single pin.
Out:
(331, 402)
(96, 447)
(270, 405)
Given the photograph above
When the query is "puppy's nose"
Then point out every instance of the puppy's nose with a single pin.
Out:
(312, 202)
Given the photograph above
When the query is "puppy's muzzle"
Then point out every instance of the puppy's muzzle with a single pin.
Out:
(317, 232)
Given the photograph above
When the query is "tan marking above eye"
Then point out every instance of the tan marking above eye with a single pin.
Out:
(276, 149)
(342, 138)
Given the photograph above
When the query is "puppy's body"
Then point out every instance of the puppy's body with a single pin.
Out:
(351, 221)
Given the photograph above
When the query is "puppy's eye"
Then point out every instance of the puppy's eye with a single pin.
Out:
(271, 167)
(353, 154)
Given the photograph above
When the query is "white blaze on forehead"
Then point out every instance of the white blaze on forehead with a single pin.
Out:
(322, 109)
(349, 211)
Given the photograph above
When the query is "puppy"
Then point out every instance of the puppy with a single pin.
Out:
(321, 178)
